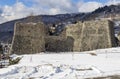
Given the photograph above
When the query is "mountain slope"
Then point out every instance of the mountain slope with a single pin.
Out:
(104, 12)
(47, 19)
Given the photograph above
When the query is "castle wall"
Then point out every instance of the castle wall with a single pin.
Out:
(84, 36)
(118, 39)
(75, 31)
(59, 43)
(28, 38)
(91, 35)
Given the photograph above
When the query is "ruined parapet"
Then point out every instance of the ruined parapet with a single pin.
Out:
(97, 35)
(91, 35)
(58, 43)
(75, 31)
(28, 38)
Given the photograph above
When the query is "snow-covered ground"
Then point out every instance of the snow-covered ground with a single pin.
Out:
(97, 63)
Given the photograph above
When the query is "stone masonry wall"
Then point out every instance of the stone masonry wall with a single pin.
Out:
(28, 38)
(83, 36)
(91, 35)
(118, 39)
(75, 31)
(59, 43)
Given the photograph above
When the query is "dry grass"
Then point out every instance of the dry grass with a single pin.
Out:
(93, 53)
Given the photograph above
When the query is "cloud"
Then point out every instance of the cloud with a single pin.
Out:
(113, 2)
(89, 6)
(51, 7)
(57, 6)
(14, 12)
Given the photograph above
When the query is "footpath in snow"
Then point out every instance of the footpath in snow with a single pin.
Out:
(97, 63)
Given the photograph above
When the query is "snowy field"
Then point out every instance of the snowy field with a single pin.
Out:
(97, 63)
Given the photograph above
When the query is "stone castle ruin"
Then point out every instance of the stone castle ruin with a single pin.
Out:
(118, 38)
(92, 35)
(28, 38)
(82, 36)
(61, 43)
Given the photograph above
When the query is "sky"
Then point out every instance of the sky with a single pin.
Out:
(29, 2)
(15, 9)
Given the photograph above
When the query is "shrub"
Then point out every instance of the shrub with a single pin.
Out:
(15, 61)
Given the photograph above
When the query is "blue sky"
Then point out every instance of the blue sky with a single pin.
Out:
(7, 2)
(11, 2)
(29, 3)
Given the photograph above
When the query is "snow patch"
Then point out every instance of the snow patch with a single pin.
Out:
(66, 65)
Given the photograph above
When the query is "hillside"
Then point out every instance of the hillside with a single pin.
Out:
(104, 12)
(47, 19)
